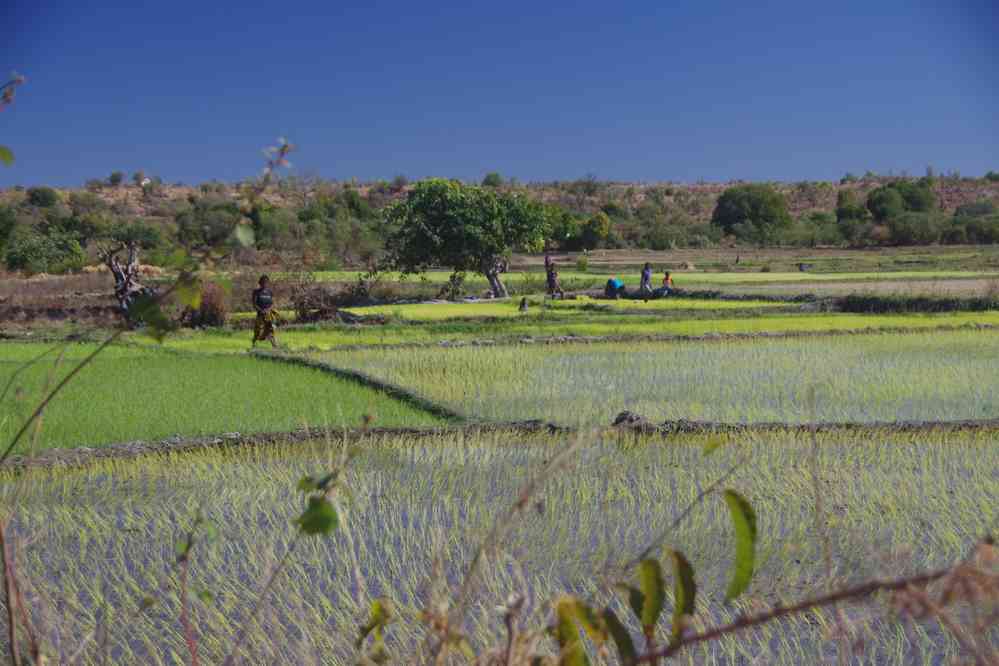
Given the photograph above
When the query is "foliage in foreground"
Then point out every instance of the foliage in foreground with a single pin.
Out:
(407, 518)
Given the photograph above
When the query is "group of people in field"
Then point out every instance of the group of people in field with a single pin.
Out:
(267, 316)
(615, 286)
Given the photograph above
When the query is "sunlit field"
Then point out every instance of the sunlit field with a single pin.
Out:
(932, 376)
(130, 394)
(101, 539)
(330, 336)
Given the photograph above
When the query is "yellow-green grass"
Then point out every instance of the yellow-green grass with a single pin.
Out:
(536, 307)
(554, 325)
(98, 541)
(922, 376)
(130, 394)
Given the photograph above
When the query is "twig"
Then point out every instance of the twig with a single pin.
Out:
(185, 620)
(8, 580)
(846, 594)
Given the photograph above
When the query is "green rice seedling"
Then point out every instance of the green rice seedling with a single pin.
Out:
(924, 376)
(131, 393)
(97, 541)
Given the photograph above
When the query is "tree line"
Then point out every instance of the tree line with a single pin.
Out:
(327, 226)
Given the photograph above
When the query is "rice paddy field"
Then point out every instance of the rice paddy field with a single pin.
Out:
(100, 540)
(96, 543)
(132, 393)
(859, 378)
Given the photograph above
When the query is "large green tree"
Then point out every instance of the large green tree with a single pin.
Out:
(755, 213)
(468, 228)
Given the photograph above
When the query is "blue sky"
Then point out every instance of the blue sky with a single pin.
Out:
(646, 91)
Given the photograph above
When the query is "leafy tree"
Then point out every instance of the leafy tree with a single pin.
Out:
(992, 176)
(469, 228)
(42, 197)
(752, 212)
(34, 252)
(116, 178)
(595, 231)
(209, 222)
(138, 177)
(492, 179)
(885, 203)
(8, 220)
(848, 207)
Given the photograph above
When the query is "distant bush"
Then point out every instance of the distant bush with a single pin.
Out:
(8, 220)
(754, 213)
(992, 176)
(595, 231)
(33, 252)
(916, 228)
(94, 185)
(399, 183)
(979, 208)
(885, 203)
(583, 263)
(211, 312)
(42, 197)
(116, 178)
(492, 179)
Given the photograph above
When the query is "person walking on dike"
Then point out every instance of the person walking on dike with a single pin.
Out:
(554, 286)
(263, 303)
(645, 286)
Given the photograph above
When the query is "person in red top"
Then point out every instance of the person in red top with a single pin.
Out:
(667, 287)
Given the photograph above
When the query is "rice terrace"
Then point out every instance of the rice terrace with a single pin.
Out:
(712, 407)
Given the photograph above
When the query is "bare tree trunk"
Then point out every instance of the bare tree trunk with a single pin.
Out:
(126, 284)
(491, 269)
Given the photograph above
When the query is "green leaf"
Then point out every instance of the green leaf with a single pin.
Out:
(318, 518)
(714, 443)
(650, 581)
(381, 615)
(587, 619)
(635, 599)
(182, 548)
(244, 235)
(744, 523)
(146, 309)
(572, 652)
(6, 156)
(684, 592)
(188, 290)
(306, 484)
(622, 639)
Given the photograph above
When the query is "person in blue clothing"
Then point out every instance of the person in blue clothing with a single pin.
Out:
(614, 288)
(645, 286)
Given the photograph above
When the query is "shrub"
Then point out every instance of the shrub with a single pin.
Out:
(33, 252)
(492, 179)
(755, 213)
(212, 311)
(8, 220)
(916, 228)
(42, 197)
(885, 203)
(399, 183)
(94, 185)
(116, 178)
(992, 176)
(583, 263)
(595, 231)
(980, 208)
